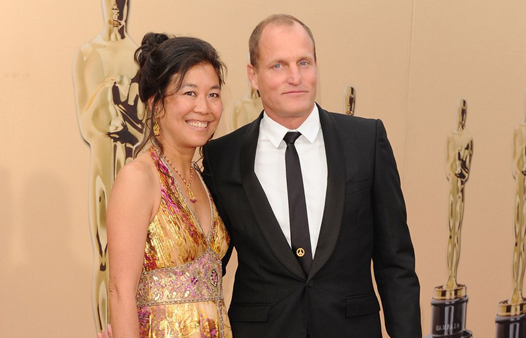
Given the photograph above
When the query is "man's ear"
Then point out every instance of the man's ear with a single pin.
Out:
(252, 76)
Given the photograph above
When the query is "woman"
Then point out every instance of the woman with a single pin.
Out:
(165, 237)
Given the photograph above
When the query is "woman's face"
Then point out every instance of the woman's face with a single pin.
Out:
(192, 113)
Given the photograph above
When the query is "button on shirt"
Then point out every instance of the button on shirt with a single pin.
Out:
(270, 170)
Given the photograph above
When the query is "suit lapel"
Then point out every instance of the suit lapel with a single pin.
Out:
(335, 196)
(259, 203)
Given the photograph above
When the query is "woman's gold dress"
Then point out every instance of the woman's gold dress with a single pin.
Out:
(180, 290)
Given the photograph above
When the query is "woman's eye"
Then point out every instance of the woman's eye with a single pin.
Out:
(214, 95)
(190, 93)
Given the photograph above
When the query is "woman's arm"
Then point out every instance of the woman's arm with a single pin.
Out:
(132, 204)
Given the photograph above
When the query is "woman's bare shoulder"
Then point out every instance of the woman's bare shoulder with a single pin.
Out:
(137, 187)
(138, 179)
(140, 171)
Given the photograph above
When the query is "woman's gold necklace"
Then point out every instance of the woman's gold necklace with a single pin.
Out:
(186, 183)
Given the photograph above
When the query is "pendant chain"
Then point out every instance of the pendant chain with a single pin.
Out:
(186, 183)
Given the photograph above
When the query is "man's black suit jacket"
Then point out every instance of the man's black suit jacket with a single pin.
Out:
(364, 219)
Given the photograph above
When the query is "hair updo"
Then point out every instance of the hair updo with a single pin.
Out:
(162, 56)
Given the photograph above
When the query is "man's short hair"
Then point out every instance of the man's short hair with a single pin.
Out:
(278, 20)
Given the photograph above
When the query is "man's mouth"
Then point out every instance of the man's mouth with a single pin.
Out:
(295, 92)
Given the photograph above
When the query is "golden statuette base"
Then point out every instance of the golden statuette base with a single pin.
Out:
(507, 309)
(511, 319)
(448, 313)
(444, 294)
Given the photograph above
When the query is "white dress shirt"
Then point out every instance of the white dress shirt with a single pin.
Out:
(270, 170)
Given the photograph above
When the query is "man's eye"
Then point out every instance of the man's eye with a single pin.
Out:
(304, 63)
(277, 66)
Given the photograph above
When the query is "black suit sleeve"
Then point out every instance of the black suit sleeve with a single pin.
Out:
(208, 177)
(393, 255)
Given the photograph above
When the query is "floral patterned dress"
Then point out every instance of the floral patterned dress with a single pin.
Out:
(180, 290)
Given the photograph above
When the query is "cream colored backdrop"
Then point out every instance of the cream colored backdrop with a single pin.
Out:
(409, 60)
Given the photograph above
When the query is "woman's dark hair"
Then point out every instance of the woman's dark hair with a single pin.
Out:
(160, 57)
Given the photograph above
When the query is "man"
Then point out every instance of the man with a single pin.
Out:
(311, 278)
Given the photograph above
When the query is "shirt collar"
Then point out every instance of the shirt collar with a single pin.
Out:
(275, 131)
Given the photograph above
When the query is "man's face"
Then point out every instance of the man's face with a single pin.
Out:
(286, 75)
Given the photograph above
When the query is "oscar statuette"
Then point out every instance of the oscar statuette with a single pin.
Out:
(246, 110)
(111, 119)
(511, 314)
(449, 303)
(350, 100)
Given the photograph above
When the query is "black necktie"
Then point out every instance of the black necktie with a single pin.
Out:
(299, 226)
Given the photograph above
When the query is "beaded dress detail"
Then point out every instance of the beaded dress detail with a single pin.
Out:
(180, 291)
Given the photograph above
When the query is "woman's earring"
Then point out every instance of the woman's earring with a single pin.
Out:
(156, 129)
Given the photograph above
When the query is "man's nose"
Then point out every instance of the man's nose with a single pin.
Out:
(294, 75)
